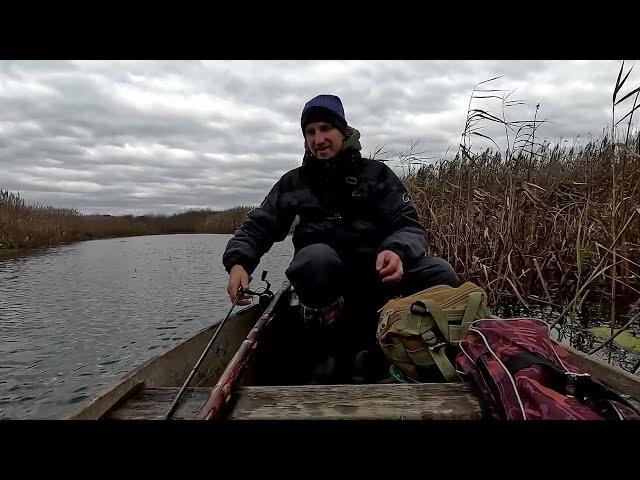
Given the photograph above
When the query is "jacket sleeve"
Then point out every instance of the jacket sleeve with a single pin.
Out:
(264, 225)
(407, 236)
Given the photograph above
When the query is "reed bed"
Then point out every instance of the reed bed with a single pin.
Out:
(556, 225)
(534, 227)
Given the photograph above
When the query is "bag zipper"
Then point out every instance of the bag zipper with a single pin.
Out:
(451, 301)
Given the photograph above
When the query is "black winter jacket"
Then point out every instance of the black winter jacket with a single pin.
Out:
(355, 205)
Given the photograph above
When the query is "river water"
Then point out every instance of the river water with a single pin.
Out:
(75, 318)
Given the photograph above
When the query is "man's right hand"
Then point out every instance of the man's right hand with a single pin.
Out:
(238, 276)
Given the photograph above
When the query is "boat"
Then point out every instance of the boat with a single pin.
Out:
(228, 385)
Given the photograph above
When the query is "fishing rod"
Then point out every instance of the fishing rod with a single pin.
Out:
(264, 298)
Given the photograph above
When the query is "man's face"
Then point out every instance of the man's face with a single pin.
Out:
(324, 140)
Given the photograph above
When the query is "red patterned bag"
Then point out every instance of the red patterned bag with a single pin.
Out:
(524, 375)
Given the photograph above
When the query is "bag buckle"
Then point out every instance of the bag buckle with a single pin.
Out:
(418, 308)
(437, 345)
(573, 382)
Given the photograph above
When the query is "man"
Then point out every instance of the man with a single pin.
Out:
(358, 243)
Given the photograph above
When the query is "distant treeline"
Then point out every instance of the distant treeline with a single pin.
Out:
(23, 225)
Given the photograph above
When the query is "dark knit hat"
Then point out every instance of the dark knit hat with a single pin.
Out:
(324, 108)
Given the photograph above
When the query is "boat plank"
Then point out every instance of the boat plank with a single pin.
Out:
(153, 404)
(428, 401)
(310, 402)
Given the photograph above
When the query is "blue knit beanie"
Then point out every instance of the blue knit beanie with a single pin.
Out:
(324, 108)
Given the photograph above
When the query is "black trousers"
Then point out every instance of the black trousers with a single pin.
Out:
(319, 275)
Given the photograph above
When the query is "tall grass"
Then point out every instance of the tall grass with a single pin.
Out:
(24, 226)
(533, 238)
(558, 226)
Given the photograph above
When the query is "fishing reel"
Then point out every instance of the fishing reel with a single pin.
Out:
(264, 296)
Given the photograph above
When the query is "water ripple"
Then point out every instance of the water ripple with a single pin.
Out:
(76, 318)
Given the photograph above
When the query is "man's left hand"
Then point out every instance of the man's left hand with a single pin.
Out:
(389, 267)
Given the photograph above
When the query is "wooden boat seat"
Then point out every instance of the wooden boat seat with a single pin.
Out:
(429, 401)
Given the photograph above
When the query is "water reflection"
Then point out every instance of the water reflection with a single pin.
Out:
(574, 332)
(75, 318)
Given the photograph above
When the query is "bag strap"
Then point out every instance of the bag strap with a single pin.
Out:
(578, 385)
(438, 315)
(474, 310)
(528, 359)
(436, 351)
(443, 363)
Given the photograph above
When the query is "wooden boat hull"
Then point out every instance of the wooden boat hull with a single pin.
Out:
(147, 393)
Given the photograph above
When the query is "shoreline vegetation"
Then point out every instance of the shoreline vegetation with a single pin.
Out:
(32, 226)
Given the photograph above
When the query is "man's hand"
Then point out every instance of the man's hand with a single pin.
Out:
(238, 276)
(389, 266)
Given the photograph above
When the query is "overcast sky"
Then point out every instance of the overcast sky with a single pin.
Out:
(136, 137)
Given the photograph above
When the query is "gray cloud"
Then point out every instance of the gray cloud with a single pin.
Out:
(161, 136)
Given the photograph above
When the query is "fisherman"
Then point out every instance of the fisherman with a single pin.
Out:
(358, 242)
